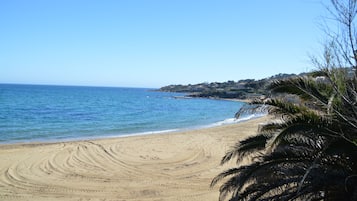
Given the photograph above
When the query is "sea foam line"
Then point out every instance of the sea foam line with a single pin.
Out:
(241, 119)
(220, 123)
(84, 138)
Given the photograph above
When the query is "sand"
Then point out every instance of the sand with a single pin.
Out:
(167, 167)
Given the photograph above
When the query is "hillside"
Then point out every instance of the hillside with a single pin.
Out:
(241, 89)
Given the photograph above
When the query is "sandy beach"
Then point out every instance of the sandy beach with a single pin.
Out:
(173, 166)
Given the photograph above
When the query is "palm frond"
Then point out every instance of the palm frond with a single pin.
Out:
(257, 191)
(279, 106)
(251, 108)
(300, 129)
(245, 147)
(305, 88)
(308, 152)
(257, 169)
(224, 174)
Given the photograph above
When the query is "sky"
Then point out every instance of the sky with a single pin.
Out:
(153, 43)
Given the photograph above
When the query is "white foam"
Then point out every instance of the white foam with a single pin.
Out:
(142, 133)
(220, 123)
(235, 120)
(225, 122)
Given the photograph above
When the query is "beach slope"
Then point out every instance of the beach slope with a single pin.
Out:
(174, 166)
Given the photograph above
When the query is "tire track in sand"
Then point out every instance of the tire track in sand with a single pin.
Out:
(142, 168)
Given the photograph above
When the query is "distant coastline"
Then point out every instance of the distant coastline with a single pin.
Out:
(241, 90)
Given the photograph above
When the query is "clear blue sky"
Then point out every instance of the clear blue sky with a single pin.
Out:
(152, 43)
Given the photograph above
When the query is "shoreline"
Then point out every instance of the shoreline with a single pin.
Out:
(174, 166)
(92, 112)
(147, 133)
(110, 136)
(187, 96)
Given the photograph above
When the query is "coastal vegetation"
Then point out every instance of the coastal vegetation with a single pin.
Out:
(241, 89)
(308, 151)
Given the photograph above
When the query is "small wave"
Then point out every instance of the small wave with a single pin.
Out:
(226, 121)
(252, 116)
(142, 133)
(235, 120)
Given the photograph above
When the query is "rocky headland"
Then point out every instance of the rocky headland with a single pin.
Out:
(246, 89)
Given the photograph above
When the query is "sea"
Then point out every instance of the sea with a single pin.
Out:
(39, 113)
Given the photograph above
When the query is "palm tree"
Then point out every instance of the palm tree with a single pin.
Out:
(309, 151)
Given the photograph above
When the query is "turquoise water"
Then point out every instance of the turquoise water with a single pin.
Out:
(59, 113)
